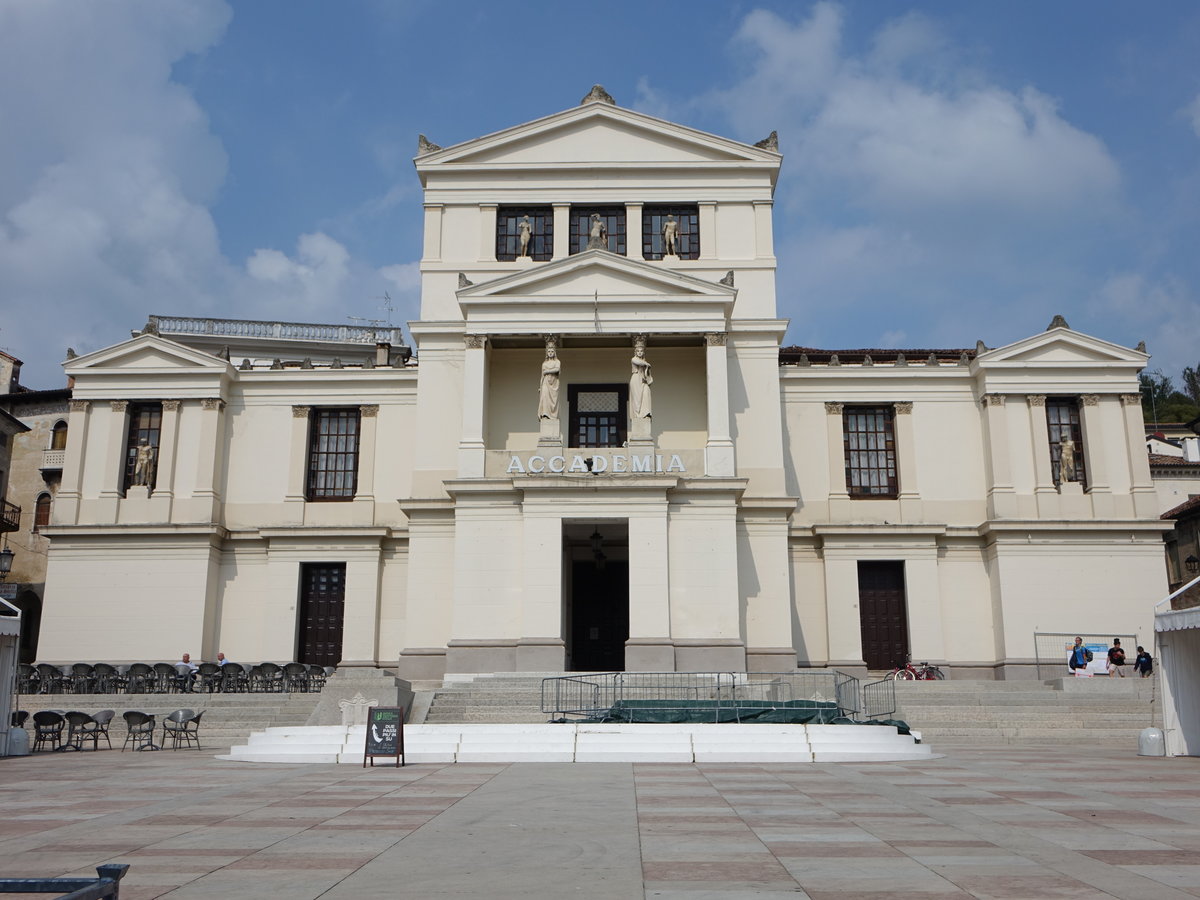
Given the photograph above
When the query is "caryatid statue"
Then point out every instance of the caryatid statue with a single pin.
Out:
(597, 233)
(670, 236)
(1066, 460)
(524, 233)
(639, 381)
(548, 386)
(143, 465)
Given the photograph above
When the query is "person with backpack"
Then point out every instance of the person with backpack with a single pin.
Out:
(1144, 663)
(1080, 655)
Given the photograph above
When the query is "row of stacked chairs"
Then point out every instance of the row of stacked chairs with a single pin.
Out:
(166, 678)
(180, 728)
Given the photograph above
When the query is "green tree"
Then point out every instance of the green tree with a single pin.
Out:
(1157, 389)
(1191, 384)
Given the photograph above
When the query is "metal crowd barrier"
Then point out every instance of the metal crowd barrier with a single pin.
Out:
(1052, 649)
(107, 884)
(592, 696)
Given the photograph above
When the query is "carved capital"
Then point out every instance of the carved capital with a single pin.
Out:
(715, 339)
(368, 412)
(1131, 399)
(171, 405)
(118, 406)
(903, 408)
(1035, 399)
(79, 405)
(211, 403)
(300, 412)
(474, 341)
(833, 409)
(1090, 399)
(993, 399)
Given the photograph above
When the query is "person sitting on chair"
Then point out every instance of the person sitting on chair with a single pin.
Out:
(186, 670)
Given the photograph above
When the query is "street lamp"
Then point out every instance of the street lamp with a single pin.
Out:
(1191, 564)
(6, 558)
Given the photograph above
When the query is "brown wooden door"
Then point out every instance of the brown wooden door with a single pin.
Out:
(322, 606)
(883, 612)
(599, 616)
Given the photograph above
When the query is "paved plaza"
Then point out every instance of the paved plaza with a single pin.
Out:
(1005, 823)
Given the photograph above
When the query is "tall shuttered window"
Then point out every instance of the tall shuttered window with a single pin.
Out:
(1062, 421)
(333, 453)
(869, 438)
(509, 225)
(687, 231)
(613, 218)
(145, 430)
(598, 414)
(41, 512)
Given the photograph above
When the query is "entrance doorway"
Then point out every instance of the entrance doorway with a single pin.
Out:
(883, 611)
(596, 594)
(322, 606)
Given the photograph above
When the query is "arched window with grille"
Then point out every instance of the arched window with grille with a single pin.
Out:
(41, 512)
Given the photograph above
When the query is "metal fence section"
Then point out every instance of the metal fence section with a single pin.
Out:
(1052, 648)
(593, 696)
(879, 698)
(106, 885)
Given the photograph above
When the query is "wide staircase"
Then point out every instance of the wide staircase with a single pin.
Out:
(229, 719)
(507, 697)
(1107, 712)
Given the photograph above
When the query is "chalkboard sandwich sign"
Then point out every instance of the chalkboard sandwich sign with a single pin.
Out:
(385, 734)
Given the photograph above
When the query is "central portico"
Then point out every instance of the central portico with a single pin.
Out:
(579, 524)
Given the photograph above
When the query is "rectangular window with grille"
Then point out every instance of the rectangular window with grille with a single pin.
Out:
(598, 414)
(541, 232)
(614, 222)
(1062, 421)
(333, 454)
(145, 427)
(687, 231)
(869, 438)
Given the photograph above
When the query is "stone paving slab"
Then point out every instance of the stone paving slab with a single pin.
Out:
(1011, 823)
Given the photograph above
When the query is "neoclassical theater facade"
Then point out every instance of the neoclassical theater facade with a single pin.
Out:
(600, 455)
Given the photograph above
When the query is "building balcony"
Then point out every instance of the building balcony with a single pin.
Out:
(52, 460)
(10, 516)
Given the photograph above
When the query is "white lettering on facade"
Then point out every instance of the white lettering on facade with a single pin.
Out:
(515, 467)
(658, 463)
(562, 464)
(619, 463)
(578, 465)
(540, 467)
(596, 464)
(676, 464)
(599, 464)
(642, 463)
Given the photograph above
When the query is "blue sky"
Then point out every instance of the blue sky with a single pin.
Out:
(953, 171)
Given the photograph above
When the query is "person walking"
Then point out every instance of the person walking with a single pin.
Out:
(1116, 659)
(1080, 655)
(1143, 663)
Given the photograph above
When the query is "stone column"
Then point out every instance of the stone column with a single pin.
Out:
(719, 459)
(835, 448)
(1145, 497)
(364, 494)
(487, 232)
(168, 448)
(297, 489)
(562, 230)
(211, 446)
(433, 232)
(1095, 456)
(1040, 445)
(471, 445)
(1002, 498)
(707, 222)
(923, 597)
(844, 618)
(649, 648)
(906, 461)
(65, 509)
(112, 484)
(633, 231)
(764, 235)
(541, 647)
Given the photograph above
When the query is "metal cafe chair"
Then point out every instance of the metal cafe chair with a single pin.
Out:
(47, 729)
(82, 678)
(208, 677)
(165, 678)
(139, 730)
(108, 679)
(80, 727)
(295, 677)
(233, 678)
(140, 679)
(182, 726)
(51, 678)
(316, 678)
(27, 679)
(18, 718)
(103, 719)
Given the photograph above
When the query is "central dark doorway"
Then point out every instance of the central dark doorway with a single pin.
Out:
(597, 595)
(883, 611)
(322, 607)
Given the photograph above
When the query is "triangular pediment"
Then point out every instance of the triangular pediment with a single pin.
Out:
(600, 275)
(596, 134)
(1062, 346)
(146, 351)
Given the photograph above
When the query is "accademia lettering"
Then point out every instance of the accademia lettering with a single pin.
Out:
(598, 463)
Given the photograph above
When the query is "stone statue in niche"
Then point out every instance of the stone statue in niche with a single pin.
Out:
(597, 233)
(548, 387)
(670, 236)
(524, 233)
(1067, 470)
(640, 381)
(143, 465)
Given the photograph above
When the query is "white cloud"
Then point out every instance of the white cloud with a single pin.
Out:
(1192, 112)
(1165, 312)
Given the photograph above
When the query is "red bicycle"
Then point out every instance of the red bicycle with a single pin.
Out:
(920, 672)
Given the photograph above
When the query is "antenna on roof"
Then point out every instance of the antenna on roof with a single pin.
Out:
(378, 323)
